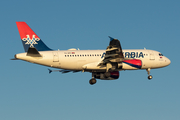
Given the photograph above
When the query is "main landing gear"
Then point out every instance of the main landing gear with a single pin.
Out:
(93, 80)
(149, 76)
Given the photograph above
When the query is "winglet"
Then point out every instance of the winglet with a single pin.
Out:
(111, 38)
(114, 42)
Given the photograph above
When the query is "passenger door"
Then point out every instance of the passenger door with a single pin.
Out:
(55, 57)
(151, 55)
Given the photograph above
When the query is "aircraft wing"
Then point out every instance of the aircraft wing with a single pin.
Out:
(114, 53)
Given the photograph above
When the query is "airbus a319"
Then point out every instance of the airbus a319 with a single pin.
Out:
(103, 64)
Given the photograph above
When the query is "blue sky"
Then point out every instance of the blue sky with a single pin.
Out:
(28, 92)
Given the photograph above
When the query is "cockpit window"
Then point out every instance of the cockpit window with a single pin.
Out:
(160, 54)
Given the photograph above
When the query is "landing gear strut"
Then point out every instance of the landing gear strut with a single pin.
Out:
(107, 74)
(149, 76)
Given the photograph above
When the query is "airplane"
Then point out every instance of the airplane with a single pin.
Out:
(103, 64)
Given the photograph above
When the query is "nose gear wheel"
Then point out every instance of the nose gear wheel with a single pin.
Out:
(150, 77)
(148, 71)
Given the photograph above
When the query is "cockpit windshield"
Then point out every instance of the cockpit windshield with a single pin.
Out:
(160, 54)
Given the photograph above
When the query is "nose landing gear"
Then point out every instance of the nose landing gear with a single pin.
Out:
(149, 76)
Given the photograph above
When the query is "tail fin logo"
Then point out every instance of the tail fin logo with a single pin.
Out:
(32, 41)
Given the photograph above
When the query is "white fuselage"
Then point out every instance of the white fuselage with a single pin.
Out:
(89, 59)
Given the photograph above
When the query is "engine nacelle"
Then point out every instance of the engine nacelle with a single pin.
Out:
(113, 75)
(131, 64)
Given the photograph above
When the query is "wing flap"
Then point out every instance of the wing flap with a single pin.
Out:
(114, 52)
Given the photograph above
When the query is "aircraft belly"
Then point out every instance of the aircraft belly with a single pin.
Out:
(76, 64)
(93, 66)
(69, 64)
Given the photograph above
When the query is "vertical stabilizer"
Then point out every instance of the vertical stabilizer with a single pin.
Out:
(29, 38)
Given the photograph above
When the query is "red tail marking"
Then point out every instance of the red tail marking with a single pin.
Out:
(24, 30)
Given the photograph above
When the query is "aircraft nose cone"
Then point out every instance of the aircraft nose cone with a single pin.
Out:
(168, 61)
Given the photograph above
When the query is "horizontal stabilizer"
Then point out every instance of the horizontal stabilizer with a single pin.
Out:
(14, 59)
(63, 71)
(33, 52)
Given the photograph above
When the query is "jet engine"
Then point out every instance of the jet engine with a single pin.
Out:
(101, 75)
